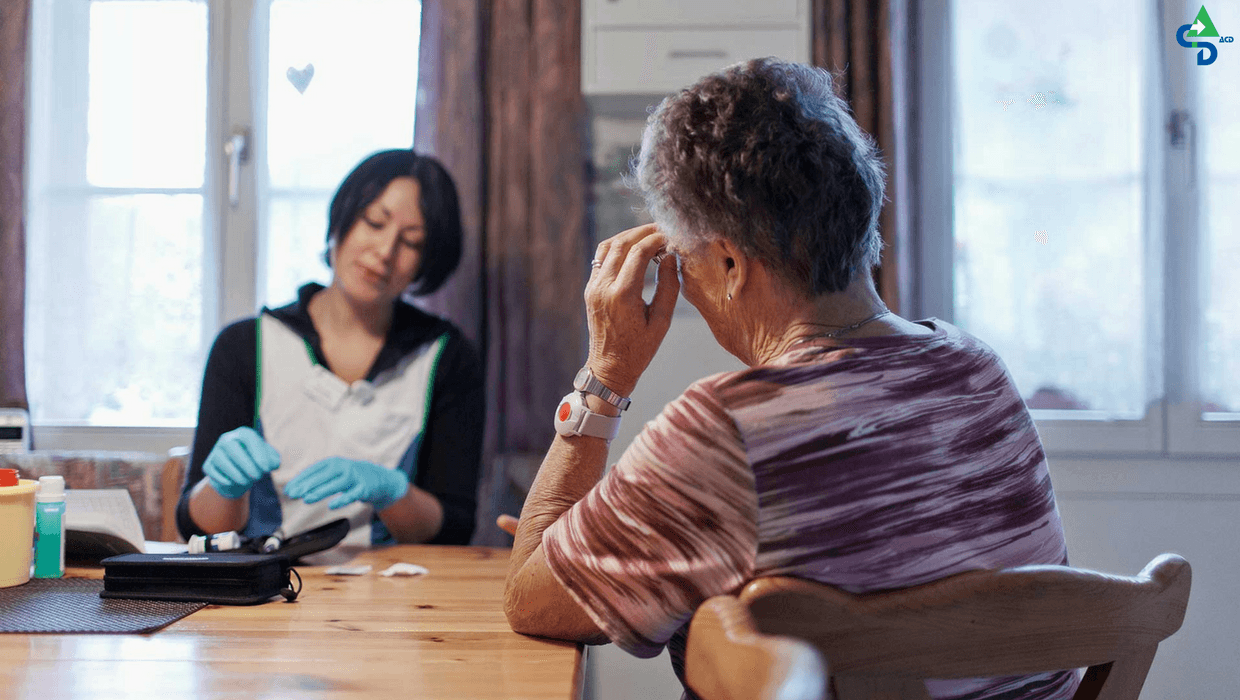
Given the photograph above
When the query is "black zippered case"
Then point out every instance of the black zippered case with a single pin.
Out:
(223, 577)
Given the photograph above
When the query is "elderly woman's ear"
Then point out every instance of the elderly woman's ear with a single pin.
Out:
(736, 268)
(717, 271)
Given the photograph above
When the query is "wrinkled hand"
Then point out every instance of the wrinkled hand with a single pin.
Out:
(353, 480)
(239, 458)
(625, 331)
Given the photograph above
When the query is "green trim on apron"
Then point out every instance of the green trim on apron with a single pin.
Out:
(430, 390)
(310, 353)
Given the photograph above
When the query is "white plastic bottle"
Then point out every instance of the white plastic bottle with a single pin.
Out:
(49, 525)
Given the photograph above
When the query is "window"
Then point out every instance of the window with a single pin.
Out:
(1094, 190)
(137, 253)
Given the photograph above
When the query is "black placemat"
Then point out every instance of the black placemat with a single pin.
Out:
(73, 605)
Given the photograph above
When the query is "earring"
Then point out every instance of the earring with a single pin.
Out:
(729, 296)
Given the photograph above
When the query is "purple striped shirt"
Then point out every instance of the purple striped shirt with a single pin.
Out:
(869, 464)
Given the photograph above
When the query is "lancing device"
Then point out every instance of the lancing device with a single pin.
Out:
(273, 542)
(219, 542)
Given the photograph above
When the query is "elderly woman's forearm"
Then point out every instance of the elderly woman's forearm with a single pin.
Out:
(625, 334)
(571, 468)
(534, 601)
(538, 605)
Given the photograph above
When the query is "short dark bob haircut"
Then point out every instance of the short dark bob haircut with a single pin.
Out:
(766, 155)
(440, 209)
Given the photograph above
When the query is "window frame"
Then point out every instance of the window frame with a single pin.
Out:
(1172, 424)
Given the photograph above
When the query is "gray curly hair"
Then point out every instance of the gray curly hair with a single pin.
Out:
(765, 154)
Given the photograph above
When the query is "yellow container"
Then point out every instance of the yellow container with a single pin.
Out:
(16, 532)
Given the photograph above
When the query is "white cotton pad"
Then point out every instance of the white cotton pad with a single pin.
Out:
(403, 569)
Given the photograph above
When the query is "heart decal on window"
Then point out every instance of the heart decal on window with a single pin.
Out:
(300, 78)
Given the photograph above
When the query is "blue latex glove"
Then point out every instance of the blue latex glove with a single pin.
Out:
(240, 458)
(353, 480)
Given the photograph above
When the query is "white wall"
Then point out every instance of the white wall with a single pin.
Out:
(1117, 513)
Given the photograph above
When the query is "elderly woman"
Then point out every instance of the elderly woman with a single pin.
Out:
(858, 449)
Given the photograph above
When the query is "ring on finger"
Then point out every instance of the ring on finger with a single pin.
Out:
(596, 263)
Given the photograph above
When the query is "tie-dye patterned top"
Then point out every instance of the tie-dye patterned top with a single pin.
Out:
(869, 464)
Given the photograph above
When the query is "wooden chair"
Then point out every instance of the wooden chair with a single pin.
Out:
(977, 624)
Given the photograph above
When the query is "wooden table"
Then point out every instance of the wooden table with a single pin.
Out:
(440, 636)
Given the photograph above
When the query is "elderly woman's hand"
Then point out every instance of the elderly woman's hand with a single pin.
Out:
(625, 332)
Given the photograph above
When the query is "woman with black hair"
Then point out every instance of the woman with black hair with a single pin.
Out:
(349, 402)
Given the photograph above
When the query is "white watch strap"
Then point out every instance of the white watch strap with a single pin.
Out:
(599, 425)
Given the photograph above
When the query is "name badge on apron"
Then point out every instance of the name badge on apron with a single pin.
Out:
(324, 388)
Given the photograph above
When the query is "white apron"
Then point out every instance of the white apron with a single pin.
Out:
(308, 414)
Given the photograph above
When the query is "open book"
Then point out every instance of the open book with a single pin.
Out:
(100, 523)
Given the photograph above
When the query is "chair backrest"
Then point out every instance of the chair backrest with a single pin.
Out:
(728, 659)
(170, 480)
(977, 624)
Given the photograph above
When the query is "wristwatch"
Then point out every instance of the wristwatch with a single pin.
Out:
(587, 382)
(574, 418)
